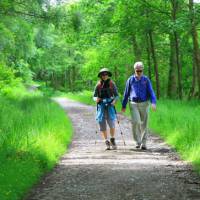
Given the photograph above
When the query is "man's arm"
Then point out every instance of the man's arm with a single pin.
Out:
(152, 95)
(126, 95)
(116, 94)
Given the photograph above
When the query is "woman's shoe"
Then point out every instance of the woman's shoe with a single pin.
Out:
(113, 143)
(107, 145)
(143, 147)
(137, 146)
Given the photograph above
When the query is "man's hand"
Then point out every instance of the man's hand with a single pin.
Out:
(113, 102)
(98, 100)
(153, 106)
(123, 109)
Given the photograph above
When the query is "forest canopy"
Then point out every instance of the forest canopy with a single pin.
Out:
(64, 45)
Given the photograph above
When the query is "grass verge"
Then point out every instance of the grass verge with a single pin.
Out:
(34, 133)
(178, 123)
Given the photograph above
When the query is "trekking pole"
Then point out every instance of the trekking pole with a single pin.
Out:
(96, 131)
(120, 127)
(96, 134)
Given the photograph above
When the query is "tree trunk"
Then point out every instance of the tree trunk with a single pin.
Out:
(73, 77)
(172, 82)
(65, 79)
(192, 89)
(179, 68)
(148, 56)
(69, 78)
(195, 43)
(174, 9)
(136, 49)
(155, 64)
(52, 79)
(56, 81)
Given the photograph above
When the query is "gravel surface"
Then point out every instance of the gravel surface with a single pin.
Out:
(88, 172)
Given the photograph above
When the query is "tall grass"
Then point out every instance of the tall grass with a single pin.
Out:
(86, 97)
(83, 96)
(178, 122)
(34, 132)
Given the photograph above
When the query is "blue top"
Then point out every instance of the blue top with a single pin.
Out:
(138, 90)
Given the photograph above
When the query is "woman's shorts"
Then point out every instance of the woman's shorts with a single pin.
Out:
(102, 124)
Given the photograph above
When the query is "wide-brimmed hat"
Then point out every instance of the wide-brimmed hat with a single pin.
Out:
(104, 70)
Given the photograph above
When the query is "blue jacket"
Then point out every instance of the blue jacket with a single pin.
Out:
(101, 108)
(138, 89)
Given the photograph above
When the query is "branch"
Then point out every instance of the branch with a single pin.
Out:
(15, 12)
(156, 8)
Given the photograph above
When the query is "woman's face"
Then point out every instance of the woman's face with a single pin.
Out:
(104, 76)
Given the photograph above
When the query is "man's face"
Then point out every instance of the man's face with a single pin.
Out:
(138, 71)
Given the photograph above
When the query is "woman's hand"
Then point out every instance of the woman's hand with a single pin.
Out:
(98, 99)
(113, 102)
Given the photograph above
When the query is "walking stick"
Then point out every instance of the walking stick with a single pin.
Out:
(96, 131)
(96, 135)
(120, 127)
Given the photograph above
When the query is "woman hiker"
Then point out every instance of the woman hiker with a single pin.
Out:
(139, 91)
(105, 95)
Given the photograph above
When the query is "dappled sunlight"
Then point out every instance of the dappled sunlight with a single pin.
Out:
(86, 152)
(144, 54)
(88, 171)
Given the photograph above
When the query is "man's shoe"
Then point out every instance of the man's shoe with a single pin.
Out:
(113, 143)
(143, 147)
(137, 146)
(107, 145)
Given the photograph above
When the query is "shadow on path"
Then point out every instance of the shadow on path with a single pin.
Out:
(88, 172)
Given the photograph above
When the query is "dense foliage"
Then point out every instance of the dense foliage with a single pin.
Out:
(64, 46)
(170, 122)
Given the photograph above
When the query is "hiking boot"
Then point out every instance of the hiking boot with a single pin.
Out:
(143, 147)
(137, 146)
(113, 143)
(107, 145)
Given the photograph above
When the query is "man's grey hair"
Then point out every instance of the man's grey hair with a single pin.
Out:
(139, 65)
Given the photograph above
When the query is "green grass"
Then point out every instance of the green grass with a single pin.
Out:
(178, 123)
(175, 121)
(84, 97)
(34, 133)
(87, 98)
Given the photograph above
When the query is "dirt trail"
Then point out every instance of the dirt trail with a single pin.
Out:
(88, 172)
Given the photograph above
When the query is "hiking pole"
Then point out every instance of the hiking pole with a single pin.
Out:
(96, 134)
(119, 127)
(96, 131)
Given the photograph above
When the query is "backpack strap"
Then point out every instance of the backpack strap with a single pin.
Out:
(111, 86)
(100, 86)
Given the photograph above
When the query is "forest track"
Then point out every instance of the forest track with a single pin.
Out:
(88, 172)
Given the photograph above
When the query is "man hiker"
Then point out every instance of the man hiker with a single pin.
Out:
(105, 95)
(139, 91)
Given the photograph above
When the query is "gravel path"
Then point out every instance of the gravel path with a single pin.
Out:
(88, 172)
